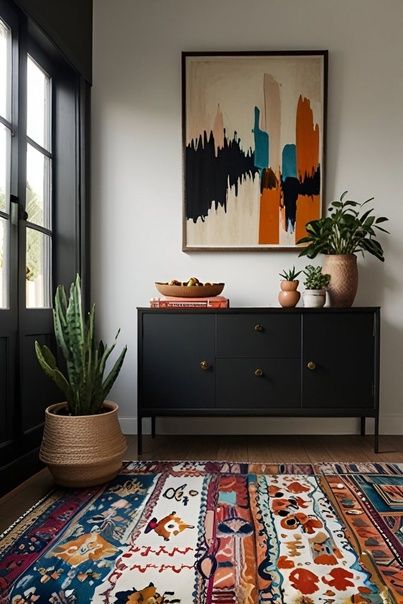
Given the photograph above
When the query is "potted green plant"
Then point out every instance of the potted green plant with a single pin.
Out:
(289, 295)
(82, 443)
(349, 228)
(315, 284)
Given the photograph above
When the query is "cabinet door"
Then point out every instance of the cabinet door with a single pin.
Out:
(177, 368)
(266, 384)
(338, 361)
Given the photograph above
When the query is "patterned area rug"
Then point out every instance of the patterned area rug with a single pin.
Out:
(214, 533)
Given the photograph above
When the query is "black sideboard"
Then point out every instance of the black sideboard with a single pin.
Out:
(302, 362)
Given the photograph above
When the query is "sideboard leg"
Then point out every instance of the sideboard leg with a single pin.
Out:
(153, 419)
(376, 436)
(139, 435)
(363, 426)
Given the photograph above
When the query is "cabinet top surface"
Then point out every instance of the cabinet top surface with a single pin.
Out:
(259, 309)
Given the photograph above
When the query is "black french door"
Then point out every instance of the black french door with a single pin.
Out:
(43, 109)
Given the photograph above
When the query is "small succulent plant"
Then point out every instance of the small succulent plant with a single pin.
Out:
(314, 278)
(290, 275)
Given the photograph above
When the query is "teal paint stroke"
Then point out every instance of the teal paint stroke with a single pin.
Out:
(261, 143)
(289, 161)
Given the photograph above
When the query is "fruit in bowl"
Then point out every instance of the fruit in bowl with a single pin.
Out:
(192, 288)
(193, 281)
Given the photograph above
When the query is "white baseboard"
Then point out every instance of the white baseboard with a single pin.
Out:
(128, 425)
(389, 424)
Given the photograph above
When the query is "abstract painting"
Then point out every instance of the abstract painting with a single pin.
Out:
(253, 137)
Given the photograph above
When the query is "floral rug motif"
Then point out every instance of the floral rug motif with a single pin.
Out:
(213, 533)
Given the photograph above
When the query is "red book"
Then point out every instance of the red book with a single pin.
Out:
(174, 302)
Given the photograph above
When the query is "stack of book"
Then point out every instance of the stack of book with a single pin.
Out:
(173, 302)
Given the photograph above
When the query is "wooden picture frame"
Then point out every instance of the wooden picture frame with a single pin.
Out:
(254, 133)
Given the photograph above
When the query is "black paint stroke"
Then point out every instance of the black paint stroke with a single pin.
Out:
(310, 185)
(292, 187)
(210, 176)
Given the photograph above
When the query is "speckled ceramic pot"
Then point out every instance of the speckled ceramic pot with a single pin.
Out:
(343, 273)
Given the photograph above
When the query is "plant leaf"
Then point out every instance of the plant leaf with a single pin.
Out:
(113, 374)
(48, 364)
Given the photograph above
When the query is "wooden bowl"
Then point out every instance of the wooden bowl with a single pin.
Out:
(194, 291)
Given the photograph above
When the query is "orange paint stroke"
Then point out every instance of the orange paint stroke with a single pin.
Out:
(269, 220)
(308, 208)
(307, 140)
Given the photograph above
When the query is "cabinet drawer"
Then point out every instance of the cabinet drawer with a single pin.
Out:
(277, 385)
(259, 335)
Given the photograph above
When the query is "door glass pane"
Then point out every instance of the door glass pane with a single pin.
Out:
(5, 71)
(38, 269)
(3, 263)
(4, 168)
(38, 187)
(38, 104)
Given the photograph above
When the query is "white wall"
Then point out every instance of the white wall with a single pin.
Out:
(137, 163)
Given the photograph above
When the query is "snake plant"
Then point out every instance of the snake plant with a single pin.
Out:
(84, 385)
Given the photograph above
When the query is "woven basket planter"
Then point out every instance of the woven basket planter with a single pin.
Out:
(343, 273)
(82, 450)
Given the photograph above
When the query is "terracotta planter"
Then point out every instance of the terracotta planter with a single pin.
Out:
(314, 298)
(82, 450)
(289, 296)
(344, 279)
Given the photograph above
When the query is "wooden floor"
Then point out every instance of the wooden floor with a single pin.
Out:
(309, 449)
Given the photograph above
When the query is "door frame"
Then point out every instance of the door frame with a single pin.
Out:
(19, 452)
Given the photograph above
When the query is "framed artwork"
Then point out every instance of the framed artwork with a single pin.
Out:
(253, 139)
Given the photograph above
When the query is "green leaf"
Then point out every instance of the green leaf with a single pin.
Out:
(43, 356)
(75, 328)
(382, 229)
(367, 201)
(365, 215)
(113, 374)
(47, 354)
(373, 247)
(60, 320)
(350, 202)
(369, 221)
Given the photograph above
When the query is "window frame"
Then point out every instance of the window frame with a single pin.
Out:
(49, 67)
(10, 17)
(6, 126)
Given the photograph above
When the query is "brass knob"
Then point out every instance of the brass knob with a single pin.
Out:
(258, 372)
(258, 327)
(204, 365)
(311, 365)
